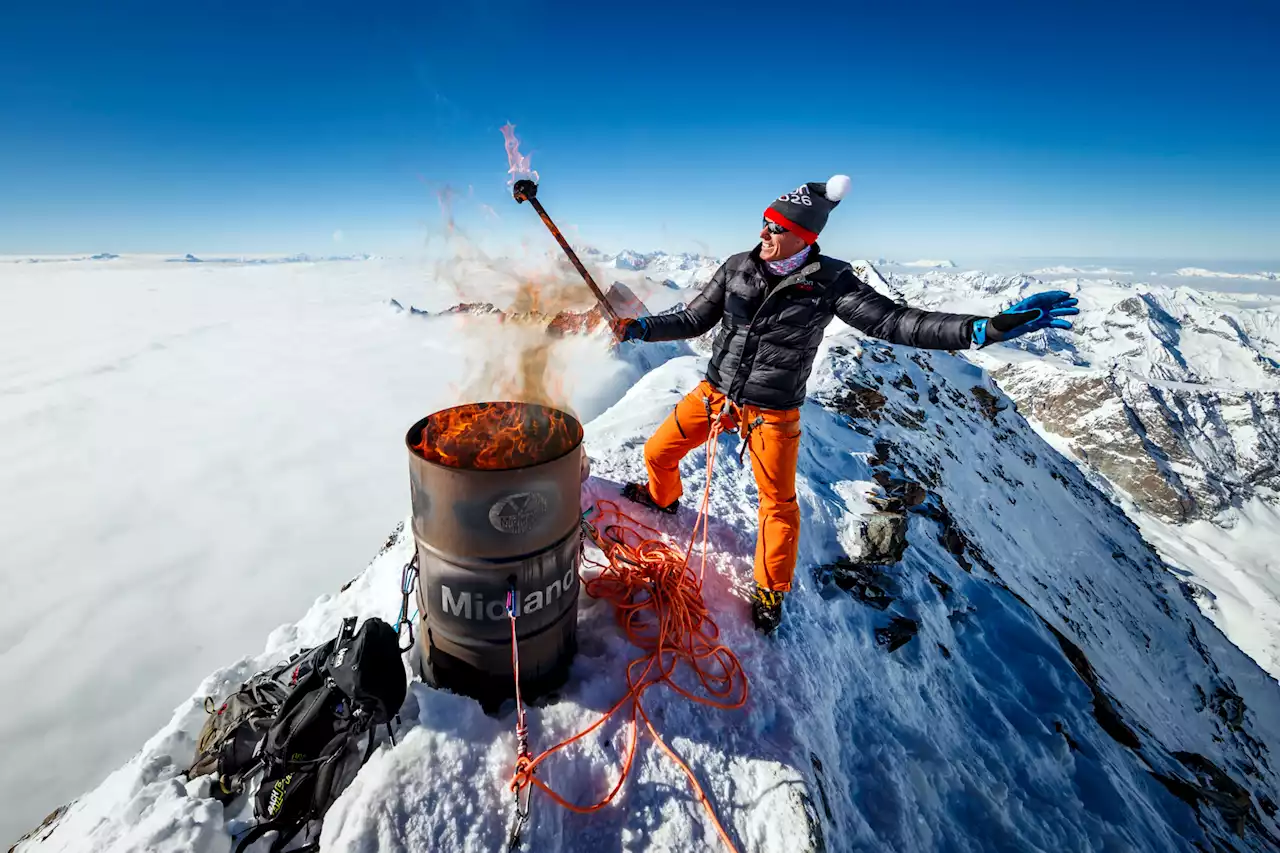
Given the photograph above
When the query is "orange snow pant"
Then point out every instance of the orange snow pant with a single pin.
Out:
(774, 444)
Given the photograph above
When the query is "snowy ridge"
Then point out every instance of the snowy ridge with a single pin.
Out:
(942, 265)
(1050, 686)
(1171, 396)
(1088, 271)
(286, 259)
(1197, 272)
(675, 270)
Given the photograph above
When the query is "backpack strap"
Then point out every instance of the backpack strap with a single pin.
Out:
(258, 830)
(255, 832)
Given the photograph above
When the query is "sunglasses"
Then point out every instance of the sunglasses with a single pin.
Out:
(772, 227)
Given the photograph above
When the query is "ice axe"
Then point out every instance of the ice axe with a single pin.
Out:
(526, 190)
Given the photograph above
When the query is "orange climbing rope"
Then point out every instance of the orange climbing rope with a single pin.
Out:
(657, 599)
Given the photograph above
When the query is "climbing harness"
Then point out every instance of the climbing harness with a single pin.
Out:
(408, 580)
(657, 600)
(730, 418)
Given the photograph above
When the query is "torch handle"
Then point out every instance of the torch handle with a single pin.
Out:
(591, 283)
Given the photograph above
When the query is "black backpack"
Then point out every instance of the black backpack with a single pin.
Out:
(228, 744)
(318, 735)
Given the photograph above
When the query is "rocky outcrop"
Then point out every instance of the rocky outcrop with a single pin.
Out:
(1169, 393)
(1180, 452)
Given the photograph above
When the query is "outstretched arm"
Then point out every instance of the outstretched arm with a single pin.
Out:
(703, 312)
(877, 315)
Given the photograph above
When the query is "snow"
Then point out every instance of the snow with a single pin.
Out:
(677, 270)
(1205, 361)
(995, 743)
(1197, 272)
(1235, 559)
(929, 264)
(1087, 271)
(192, 453)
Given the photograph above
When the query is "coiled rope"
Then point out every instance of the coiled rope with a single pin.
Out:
(658, 604)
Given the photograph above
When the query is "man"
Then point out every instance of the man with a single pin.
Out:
(772, 304)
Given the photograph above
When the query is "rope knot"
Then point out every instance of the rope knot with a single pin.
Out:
(522, 776)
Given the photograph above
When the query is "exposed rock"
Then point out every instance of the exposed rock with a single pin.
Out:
(903, 383)
(1104, 708)
(860, 402)
(1211, 786)
(1062, 730)
(866, 582)
(884, 538)
(912, 419)
(988, 403)
(1107, 435)
(620, 297)
(883, 449)
(907, 492)
(1180, 452)
(46, 827)
(819, 774)
(1228, 705)
(897, 633)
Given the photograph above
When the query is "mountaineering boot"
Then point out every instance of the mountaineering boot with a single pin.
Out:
(766, 609)
(639, 493)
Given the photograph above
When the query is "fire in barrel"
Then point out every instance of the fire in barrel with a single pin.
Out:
(496, 491)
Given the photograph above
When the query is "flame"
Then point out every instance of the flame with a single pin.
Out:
(497, 436)
(518, 165)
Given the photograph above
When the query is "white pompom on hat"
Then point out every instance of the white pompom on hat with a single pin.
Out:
(837, 186)
(804, 210)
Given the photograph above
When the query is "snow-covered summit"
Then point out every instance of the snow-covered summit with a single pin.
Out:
(1008, 665)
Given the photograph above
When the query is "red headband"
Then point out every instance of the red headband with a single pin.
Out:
(805, 234)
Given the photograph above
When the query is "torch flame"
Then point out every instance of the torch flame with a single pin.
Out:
(518, 165)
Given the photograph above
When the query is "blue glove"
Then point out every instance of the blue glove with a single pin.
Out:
(1041, 311)
(633, 330)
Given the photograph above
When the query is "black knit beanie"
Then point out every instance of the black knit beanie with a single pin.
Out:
(804, 210)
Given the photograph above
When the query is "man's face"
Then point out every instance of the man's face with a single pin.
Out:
(775, 247)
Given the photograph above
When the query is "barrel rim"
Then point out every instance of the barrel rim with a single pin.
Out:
(415, 432)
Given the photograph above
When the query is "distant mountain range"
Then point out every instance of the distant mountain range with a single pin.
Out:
(288, 259)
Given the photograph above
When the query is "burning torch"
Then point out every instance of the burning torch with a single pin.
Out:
(526, 190)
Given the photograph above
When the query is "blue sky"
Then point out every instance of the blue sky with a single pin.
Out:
(971, 130)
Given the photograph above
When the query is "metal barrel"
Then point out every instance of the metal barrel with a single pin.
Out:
(481, 532)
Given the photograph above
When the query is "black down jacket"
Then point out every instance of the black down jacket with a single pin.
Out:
(770, 328)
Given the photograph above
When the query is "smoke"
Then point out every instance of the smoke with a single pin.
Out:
(519, 358)
(502, 307)
(519, 166)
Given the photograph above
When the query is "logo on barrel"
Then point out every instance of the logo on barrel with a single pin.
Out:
(518, 513)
